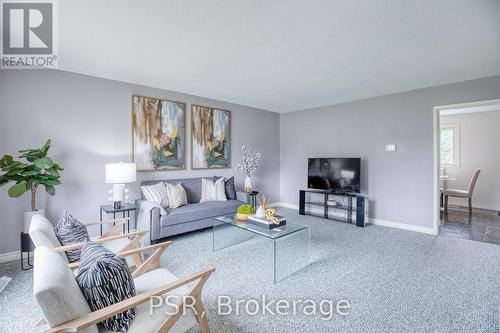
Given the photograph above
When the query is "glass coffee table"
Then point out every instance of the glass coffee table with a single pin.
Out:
(290, 242)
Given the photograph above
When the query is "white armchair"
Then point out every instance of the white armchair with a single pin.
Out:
(42, 234)
(66, 310)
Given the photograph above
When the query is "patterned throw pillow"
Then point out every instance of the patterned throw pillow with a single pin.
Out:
(156, 193)
(105, 279)
(70, 231)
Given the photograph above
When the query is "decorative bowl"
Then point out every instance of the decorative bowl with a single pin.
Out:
(242, 217)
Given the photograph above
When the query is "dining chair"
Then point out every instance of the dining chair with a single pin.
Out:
(466, 194)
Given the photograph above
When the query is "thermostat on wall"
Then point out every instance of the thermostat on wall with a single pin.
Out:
(391, 147)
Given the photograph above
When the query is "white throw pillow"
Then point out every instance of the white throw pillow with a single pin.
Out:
(207, 190)
(156, 193)
(220, 189)
(213, 191)
(176, 195)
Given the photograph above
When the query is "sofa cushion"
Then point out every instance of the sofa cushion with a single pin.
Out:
(156, 279)
(145, 321)
(198, 211)
(55, 289)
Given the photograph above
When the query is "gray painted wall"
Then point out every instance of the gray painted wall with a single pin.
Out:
(89, 120)
(399, 184)
(479, 137)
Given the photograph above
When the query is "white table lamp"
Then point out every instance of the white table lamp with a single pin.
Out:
(120, 174)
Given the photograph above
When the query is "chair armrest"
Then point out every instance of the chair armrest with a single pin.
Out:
(150, 205)
(160, 246)
(153, 262)
(138, 202)
(100, 241)
(121, 220)
(163, 245)
(115, 230)
(149, 218)
(107, 312)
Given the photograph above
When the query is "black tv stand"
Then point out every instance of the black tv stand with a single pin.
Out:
(348, 207)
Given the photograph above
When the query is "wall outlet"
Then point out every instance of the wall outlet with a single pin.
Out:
(391, 147)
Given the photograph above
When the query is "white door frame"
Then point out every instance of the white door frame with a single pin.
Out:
(436, 157)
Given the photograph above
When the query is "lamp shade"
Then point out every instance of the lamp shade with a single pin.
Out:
(120, 173)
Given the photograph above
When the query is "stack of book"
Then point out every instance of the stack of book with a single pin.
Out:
(265, 223)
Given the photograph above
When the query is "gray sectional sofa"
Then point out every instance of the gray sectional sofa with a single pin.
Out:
(193, 216)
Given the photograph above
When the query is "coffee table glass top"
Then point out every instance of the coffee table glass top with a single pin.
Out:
(275, 233)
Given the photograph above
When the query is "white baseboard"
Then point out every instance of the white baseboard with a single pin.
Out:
(385, 223)
(284, 205)
(484, 206)
(404, 226)
(463, 204)
(9, 256)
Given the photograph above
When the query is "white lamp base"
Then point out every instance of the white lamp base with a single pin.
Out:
(118, 195)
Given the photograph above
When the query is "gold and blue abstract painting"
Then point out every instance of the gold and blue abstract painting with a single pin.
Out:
(158, 134)
(211, 146)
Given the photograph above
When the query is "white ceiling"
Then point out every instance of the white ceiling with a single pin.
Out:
(282, 55)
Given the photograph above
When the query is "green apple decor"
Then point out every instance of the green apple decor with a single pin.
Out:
(39, 169)
(244, 211)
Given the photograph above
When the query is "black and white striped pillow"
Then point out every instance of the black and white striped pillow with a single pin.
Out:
(105, 279)
(70, 231)
(157, 193)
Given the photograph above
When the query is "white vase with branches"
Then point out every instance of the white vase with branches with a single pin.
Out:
(250, 161)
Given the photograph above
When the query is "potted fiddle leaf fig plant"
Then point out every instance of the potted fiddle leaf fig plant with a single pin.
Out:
(39, 169)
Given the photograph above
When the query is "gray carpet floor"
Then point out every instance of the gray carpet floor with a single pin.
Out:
(394, 280)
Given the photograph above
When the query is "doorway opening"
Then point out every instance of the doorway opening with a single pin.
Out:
(467, 171)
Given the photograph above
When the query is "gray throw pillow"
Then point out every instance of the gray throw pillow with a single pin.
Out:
(105, 279)
(230, 190)
(70, 231)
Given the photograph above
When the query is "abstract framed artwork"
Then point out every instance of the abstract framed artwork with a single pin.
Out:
(159, 134)
(210, 138)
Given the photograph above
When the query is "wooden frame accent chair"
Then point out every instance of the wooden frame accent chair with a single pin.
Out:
(42, 234)
(66, 310)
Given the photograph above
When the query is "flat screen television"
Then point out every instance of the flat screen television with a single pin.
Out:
(335, 174)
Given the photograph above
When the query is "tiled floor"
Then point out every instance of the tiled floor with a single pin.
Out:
(483, 227)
